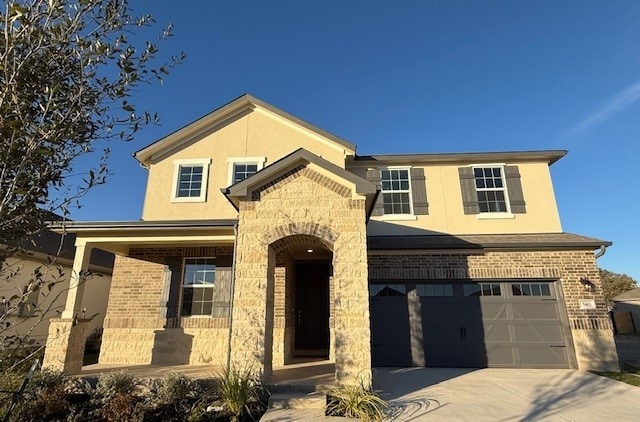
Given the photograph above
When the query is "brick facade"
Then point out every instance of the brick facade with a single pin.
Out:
(590, 329)
(142, 325)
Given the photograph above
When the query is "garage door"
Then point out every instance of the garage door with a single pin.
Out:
(489, 324)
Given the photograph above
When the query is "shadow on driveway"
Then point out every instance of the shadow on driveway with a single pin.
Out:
(492, 394)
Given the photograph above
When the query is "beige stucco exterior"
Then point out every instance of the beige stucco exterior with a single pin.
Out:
(446, 211)
(257, 134)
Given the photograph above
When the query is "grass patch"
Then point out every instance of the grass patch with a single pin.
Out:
(631, 376)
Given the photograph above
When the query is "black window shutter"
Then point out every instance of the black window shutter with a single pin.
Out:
(419, 192)
(514, 188)
(373, 176)
(468, 187)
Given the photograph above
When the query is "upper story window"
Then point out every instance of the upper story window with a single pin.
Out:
(198, 283)
(403, 192)
(491, 189)
(243, 170)
(396, 191)
(190, 180)
(242, 167)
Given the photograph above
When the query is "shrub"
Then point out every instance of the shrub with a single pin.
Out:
(355, 401)
(171, 398)
(239, 391)
(115, 396)
(47, 396)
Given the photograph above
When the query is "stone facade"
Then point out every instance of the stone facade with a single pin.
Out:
(302, 205)
(591, 330)
(65, 344)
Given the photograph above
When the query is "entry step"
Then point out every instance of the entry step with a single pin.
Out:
(313, 400)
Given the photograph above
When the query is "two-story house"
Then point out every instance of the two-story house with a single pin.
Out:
(264, 238)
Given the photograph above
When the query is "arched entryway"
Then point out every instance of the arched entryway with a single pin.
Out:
(302, 326)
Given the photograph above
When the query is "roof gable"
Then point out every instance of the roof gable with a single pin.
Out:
(239, 107)
(301, 156)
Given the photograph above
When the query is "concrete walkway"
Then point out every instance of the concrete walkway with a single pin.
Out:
(441, 394)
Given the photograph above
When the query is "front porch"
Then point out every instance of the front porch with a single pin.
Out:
(300, 374)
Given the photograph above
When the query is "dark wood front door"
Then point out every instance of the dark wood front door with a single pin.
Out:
(312, 308)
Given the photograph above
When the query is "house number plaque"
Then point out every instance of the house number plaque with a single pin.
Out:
(587, 304)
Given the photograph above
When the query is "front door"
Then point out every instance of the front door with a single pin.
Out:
(312, 308)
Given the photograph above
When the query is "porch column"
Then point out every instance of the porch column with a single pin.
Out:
(67, 334)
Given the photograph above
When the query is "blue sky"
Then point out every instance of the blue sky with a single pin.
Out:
(420, 76)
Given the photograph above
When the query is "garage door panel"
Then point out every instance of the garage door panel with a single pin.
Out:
(497, 333)
(494, 311)
(499, 355)
(543, 356)
(390, 337)
(536, 311)
(538, 333)
(443, 355)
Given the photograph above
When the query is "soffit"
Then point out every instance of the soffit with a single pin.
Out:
(547, 156)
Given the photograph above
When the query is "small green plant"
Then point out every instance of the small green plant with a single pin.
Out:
(355, 401)
(239, 390)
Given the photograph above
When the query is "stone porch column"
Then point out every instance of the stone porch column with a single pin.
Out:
(67, 334)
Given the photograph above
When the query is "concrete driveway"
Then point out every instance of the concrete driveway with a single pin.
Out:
(443, 394)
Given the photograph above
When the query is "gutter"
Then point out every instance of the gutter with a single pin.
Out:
(602, 251)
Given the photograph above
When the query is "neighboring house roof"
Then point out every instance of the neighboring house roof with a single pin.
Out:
(236, 108)
(486, 241)
(628, 295)
(550, 156)
(50, 243)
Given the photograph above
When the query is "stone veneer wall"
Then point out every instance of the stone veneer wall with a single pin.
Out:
(284, 317)
(591, 329)
(302, 202)
(136, 327)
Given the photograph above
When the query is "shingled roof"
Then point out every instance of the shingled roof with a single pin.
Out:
(628, 295)
(486, 241)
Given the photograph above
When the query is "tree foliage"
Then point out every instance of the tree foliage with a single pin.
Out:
(613, 283)
(67, 72)
(68, 69)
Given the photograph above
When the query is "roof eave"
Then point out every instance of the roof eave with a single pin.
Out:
(549, 156)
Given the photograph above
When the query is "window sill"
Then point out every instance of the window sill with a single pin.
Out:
(188, 199)
(496, 216)
(398, 217)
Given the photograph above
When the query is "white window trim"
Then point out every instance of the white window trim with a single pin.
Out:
(205, 163)
(182, 286)
(232, 161)
(411, 215)
(496, 215)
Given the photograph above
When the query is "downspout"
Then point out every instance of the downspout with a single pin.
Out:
(233, 288)
(603, 249)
